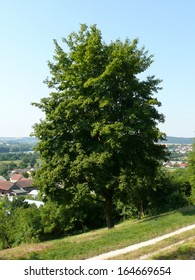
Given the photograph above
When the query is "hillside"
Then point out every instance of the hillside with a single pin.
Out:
(96, 242)
(179, 140)
(17, 140)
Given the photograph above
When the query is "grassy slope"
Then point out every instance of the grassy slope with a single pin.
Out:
(185, 251)
(95, 242)
(168, 248)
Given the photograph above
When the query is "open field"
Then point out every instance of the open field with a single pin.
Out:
(95, 242)
(10, 161)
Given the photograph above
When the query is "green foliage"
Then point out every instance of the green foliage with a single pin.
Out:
(53, 220)
(17, 202)
(86, 245)
(27, 225)
(16, 145)
(58, 220)
(4, 170)
(33, 161)
(100, 119)
(180, 177)
(25, 174)
(24, 223)
(23, 165)
(169, 192)
(133, 199)
(19, 223)
(5, 229)
(191, 168)
(22, 160)
(18, 156)
(166, 192)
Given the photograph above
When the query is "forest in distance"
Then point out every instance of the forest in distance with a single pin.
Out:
(179, 140)
(33, 140)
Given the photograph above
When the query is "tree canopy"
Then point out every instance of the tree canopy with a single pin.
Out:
(100, 125)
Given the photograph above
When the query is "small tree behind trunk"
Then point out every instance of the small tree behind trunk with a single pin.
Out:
(108, 212)
(140, 210)
(109, 218)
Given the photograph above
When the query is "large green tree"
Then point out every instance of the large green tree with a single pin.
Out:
(100, 124)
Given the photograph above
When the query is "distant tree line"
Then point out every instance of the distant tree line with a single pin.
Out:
(16, 160)
(16, 148)
(18, 156)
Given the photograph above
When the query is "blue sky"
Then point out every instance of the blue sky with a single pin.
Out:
(27, 28)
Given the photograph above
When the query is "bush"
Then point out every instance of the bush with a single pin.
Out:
(53, 220)
(27, 225)
(168, 194)
(5, 229)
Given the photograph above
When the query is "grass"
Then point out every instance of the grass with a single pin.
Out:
(95, 242)
(10, 161)
(185, 251)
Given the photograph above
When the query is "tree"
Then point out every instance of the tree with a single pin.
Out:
(5, 229)
(168, 192)
(191, 169)
(27, 225)
(33, 162)
(100, 119)
(23, 164)
(4, 170)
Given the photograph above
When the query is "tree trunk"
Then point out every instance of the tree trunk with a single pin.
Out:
(108, 212)
(140, 210)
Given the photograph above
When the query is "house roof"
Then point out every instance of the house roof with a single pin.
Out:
(20, 171)
(24, 183)
(23, 179)
(16, 177)
(5, 185)
(19, 191)
(183, 164)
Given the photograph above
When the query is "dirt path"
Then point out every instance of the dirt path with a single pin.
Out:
(133, 247)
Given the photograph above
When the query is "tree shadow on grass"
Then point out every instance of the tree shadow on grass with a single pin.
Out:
(156, 217)
(188, 210)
